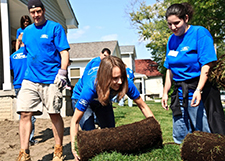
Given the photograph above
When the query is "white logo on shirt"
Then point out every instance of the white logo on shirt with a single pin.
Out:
(44, 36)
(19, 56)
(92, 70)
(173, 53)
(185, 48)
(83, 102)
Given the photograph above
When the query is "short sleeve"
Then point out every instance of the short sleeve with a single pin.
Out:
(132, 92)
(87, 95)
(205, 47)
(60, 39)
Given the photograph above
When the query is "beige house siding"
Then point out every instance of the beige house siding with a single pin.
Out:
(126, 60)
(154, 85)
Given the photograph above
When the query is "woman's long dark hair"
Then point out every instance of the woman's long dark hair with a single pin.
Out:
(104, 79)
(23, 19)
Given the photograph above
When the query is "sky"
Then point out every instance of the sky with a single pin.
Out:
(106, 20)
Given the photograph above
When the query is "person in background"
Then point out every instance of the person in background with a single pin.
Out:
(104, 85)
(18, 66)
(24, 22)
(190, 53)
(95, 62)
(13, 43)
(47, 48)
(130, 75)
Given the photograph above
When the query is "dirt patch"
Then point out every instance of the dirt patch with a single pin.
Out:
(10, 143)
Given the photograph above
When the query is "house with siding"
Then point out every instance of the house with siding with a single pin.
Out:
(128, 55)
(82, 53)
(148, 79)
(11, 11)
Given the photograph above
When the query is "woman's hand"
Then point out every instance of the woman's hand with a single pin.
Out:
(74, 127)
(76, 156)
(168, 82)
(164, 101)
(196, 98)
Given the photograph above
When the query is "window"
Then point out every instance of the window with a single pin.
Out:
(74, 75)
(75, 72)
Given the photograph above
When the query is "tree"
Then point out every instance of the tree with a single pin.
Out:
(152, 27)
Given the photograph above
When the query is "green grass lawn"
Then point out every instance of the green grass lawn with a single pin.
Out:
(126, 115)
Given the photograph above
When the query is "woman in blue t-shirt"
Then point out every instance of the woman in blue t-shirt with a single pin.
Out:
(102, 83)
(24, 22)
(190, 53)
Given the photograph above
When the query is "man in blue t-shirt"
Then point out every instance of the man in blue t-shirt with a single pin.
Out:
(47, 48)
(18, 66)
(95, 62)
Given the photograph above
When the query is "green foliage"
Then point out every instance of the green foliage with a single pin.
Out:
(152, 27)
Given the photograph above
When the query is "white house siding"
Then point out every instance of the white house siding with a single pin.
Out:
(53, 11)
(154, 85)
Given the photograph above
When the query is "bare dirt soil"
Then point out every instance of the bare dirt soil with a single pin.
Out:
(43, 151)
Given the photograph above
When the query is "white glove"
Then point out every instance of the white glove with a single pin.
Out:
(61, 78)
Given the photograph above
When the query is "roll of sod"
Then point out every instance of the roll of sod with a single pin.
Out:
(202, 146)
(128, 138)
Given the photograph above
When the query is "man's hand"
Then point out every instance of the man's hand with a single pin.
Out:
(61, 78)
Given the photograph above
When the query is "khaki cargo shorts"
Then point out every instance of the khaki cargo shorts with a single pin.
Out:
(33, 97)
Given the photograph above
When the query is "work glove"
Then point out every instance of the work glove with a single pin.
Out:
(61, 78)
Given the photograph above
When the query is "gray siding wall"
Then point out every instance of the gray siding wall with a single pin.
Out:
(53, 12)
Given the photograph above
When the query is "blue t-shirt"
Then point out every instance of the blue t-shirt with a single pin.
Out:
(18, 63)
(43, 45)
(19, 31)
(186, 54)
(85, 90)
(95, 62)
(130, 74)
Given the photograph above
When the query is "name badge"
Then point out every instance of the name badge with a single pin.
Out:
(173, 53)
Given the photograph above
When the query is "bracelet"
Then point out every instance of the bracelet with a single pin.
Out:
(198, 90)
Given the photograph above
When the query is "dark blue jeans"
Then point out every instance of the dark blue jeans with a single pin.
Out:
(104, 114)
